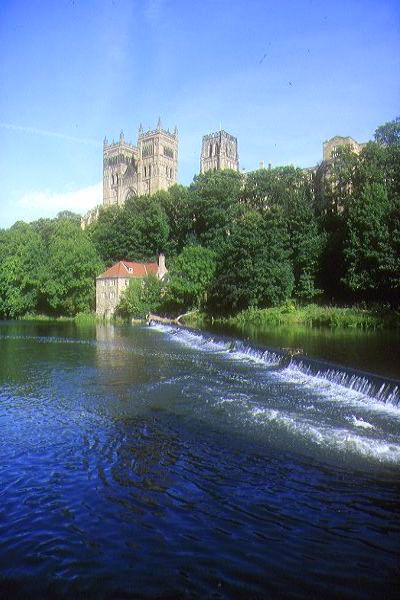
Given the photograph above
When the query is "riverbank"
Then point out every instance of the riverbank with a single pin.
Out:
(81, 318)
(288, 314)
(311, 315)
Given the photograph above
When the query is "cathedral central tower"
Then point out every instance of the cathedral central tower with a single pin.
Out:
(219, 151)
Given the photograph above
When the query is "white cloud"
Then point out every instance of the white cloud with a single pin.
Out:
(44, 203)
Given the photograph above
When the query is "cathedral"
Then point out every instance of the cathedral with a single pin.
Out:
(146, 168)
(152, 164)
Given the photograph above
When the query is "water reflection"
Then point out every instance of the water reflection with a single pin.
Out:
(131, 463)
(372, 351)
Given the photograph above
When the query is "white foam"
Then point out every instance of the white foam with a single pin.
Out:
(361, 423)
(335, 392)
(338, 439)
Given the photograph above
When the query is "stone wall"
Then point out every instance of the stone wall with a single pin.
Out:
(108, 294)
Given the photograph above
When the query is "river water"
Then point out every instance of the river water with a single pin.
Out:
(152, 462)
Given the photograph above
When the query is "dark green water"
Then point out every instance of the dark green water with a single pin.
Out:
(141, 462)
(372, 351)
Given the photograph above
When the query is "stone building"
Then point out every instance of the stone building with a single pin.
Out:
(331, 194)
(111, 284)
(330, 147)
(219, 151)
(130, 170)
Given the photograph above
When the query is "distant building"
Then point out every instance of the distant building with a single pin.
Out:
(129, 170)
(112, 283)
(330, 147)
(331, 194)
(219, 151)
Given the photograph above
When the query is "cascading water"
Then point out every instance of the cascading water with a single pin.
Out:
(169, 463)
(379, 388)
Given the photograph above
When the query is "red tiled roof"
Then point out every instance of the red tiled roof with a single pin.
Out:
(121, 269)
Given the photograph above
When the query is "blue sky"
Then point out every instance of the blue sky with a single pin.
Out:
(282, 77)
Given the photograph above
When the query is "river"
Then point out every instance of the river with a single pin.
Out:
(155, 462)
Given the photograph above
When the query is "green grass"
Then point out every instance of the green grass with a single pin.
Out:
(313, 315)
(31, 317)
(80, 318)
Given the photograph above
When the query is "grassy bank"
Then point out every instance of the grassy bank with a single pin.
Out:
(317, 316)
(81, 318)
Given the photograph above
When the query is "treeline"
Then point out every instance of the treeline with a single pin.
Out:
(47, 267)
(235, 241)
(232, 241)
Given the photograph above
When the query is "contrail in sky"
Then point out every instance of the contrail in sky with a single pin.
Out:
(45, 132)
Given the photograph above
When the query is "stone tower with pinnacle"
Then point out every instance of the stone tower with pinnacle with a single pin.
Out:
(219, 151)
(146, 168)
(158, 159)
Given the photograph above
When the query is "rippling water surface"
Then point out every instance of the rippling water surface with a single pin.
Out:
(150, 462)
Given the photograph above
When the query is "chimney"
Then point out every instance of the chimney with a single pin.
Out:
(161, 271)
(262, 164)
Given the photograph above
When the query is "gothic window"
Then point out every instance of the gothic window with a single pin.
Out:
(149, 170)
(166, 171)
(170, 173)
(210, 150)
(145, 171)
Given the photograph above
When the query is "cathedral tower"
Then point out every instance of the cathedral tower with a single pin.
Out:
(158, 159)
(119, 171)
(219, 151)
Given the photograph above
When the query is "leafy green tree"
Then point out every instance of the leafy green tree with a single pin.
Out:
(367, 243)
(306, 244)
(178, 207)
(389, 133)
(190, 276)
(22, 258)
(69, 216)
(142, 297)
(108, 234)
(215, 196)
(289, 189)
(278, 187)
(254, 269)
(392, 258)
(145, 227)
(72, 266)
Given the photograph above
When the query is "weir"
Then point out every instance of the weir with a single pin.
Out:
(383, 389)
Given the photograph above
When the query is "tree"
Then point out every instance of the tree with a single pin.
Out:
(367, 242)
(215, 197)
(108, 234)
(254, 269)
(22, 259)
(306, 243)
(190, 276)
(73, 264)
(146, 228)
(388, 134)
(178, 207)
(142, 297)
